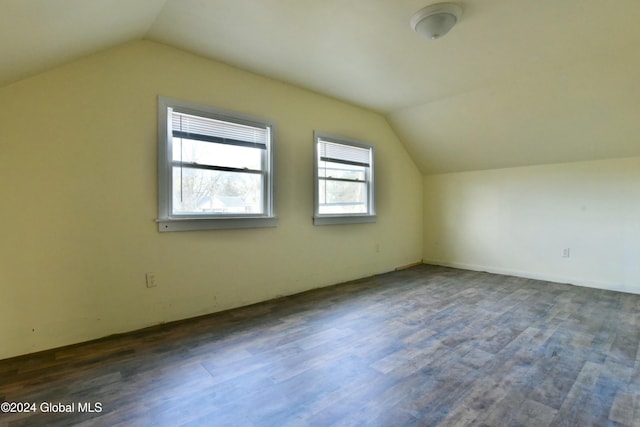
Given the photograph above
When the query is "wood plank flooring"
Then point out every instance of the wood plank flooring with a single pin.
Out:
(426, 346)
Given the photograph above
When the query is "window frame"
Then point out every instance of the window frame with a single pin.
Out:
(343, 218)
(167, 219)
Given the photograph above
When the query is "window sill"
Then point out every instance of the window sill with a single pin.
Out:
(343, 219)
(193, 224)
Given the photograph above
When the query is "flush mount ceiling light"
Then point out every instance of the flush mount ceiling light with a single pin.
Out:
(435, 21)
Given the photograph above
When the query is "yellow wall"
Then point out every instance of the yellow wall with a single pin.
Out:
(519, 220)
(78, 185)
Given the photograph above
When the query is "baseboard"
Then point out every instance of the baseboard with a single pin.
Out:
(534, 275)
(404, 267)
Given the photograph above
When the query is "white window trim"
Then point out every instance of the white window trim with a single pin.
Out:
(169, 222)
(330, 219)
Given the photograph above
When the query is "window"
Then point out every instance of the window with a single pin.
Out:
(215, 168)
(343, 181)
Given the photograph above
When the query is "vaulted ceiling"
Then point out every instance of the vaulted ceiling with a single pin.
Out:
(514, 83)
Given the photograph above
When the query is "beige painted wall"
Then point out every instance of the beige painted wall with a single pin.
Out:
(518, 221)
(78, 184)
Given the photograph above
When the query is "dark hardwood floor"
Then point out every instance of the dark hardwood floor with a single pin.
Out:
(424, 346)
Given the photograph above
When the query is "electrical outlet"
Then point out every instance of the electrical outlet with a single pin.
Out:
(566, 252)
(151, 280)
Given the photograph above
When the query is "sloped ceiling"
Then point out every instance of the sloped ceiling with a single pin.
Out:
(514, 83)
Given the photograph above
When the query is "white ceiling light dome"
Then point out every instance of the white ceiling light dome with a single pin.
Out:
(434, 21)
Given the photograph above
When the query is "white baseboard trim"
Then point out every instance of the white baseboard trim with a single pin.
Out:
(534, 275)
(404, 267)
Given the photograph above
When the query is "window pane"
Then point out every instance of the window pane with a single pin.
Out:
(208, 153)
(340, 197)
(340, 170)
(197, 191)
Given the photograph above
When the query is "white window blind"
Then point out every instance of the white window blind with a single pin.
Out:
(340, 153)
(218, 131)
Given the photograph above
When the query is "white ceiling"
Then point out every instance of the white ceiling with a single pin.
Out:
(514, 83)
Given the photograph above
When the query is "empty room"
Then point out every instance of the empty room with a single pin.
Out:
(328, 213)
